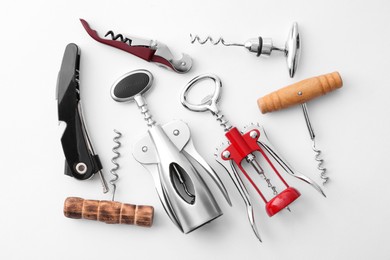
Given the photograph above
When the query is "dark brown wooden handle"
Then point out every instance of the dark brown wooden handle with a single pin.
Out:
(300, 92)
(110, 212)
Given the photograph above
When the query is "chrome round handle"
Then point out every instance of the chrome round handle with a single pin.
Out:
(209, 102)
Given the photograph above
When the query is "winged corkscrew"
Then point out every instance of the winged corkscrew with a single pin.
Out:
(242, 149)
(166, 151)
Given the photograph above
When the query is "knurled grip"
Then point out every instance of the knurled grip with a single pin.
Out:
(110, 212)
(300, 92)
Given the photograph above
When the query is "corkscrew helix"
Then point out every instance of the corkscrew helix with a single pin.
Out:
(265, 46)
(221, 40)
(146, 49)
(118, 36)
(114, 159)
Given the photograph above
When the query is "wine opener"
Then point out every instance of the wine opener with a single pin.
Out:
(166, 152)
(265, 46)
(146, 49)
(243, 146)
(81, 160)
(300, 93)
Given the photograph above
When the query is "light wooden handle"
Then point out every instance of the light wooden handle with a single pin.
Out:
(110, 212)
(300, 92)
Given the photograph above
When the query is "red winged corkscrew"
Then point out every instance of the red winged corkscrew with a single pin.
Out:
(241, 148)
(146, 49)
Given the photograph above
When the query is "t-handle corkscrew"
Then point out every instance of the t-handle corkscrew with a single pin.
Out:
(300, 93)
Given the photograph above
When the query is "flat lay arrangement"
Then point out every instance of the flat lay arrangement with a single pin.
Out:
(185, 182)
(201, 130)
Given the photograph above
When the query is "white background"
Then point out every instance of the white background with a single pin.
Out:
(351, 124)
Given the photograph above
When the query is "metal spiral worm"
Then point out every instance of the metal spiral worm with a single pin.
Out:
(212, 41)
(113, 160)
(320, 161)
(316, 151)
(118, 36)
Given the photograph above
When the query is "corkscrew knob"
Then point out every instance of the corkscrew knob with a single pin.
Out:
(110, 212)
(131, 87)
(300, 92)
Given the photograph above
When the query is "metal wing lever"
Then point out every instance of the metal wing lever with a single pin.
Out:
(149, 50)
(242, 190)
(265, 143)
(81, 161)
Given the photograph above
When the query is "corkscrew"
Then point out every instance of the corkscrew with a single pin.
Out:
(114, 159)
(300, 93)
(81, 162)
(242, 150)
(168, 153)
(265, 46)
(149, 50)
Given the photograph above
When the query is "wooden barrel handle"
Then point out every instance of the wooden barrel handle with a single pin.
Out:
(110, 212)
(300, 92)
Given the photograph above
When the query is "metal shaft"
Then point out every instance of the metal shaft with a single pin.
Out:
(251, 159)
(307, 120)
(89, 144)
(141, 102)
(315, 149)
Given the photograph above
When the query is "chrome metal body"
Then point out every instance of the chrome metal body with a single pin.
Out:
(168, 153)
(181, 65)
(164, 149)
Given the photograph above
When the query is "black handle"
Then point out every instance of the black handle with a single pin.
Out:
(80, 162)
(131, 84)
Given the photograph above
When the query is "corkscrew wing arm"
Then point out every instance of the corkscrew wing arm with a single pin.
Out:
(265, 143)
(149, 50)
(242, 190)
(81, 160)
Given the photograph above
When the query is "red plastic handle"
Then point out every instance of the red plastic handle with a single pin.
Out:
(281, 201)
